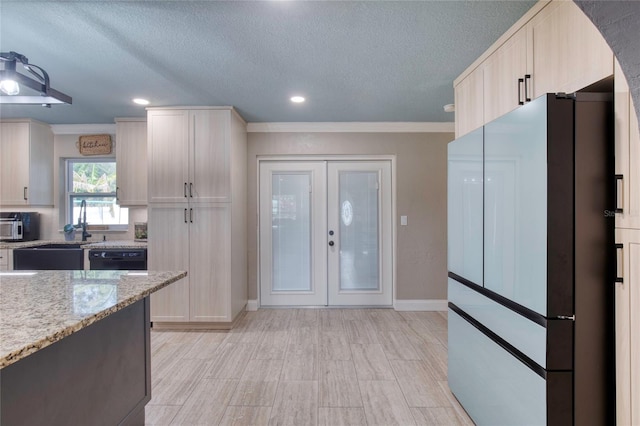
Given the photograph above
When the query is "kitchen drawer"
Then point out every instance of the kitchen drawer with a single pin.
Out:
(4, 259)
(527, 336)
(494, 387)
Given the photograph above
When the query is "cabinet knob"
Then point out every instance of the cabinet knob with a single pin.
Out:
(331, 243)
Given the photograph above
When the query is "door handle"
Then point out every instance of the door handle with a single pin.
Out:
(619, 263)
(527, 79)
(619, 192)
(520, 84)
(331, 243)
(190, 189)
(185, 190)
(191, 215)
(185, 215)
(24, 193)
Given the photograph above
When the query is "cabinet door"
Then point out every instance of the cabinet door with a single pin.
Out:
(168, 250)
(627, 152)
(14, 163)
(131, 162)
(209, 156)
(209, 266)
(469, 102)
(569, 53)
(628, 328)
(502, 72)
(168, 155)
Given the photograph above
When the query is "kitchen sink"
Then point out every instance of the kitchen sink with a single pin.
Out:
(49, 256)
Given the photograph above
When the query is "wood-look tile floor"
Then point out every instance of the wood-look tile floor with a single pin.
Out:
(306, 367)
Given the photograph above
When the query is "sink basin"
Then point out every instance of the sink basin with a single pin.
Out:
(49, 257)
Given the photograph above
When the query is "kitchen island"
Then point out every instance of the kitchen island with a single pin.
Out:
(75, 346)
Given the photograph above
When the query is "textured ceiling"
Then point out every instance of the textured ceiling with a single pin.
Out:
(354, 61)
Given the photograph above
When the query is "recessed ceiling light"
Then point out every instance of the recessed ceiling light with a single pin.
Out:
(297, 99)
(141, 101)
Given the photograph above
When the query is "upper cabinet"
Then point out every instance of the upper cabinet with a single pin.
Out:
(507, 77)
(468, 100)
(552, 48)
(569, 53)
(26, 163)
(627, 153)
(190, 155)
(131, 161)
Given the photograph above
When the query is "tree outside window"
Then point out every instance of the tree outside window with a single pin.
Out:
(95, 182)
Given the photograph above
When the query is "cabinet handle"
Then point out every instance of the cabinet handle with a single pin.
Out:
(190, 190)
(619, 192)
(619, 263)
(527, 80)
(191, 215)
(185, 190)
(117, 196)
(24, 193)
(520, 84)
(185, 215)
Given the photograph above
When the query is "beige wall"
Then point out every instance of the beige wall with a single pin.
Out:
(421, 173)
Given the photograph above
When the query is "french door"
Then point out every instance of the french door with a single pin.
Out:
(325, 233)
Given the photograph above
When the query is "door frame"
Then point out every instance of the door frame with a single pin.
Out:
(295, 158)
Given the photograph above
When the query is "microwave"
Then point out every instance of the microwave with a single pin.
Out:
(19, 226)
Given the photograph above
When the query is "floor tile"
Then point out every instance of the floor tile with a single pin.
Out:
(301, 363)
(231, 361)
(160, 415)
(418, 384)
(384, 404)
(339, 384)
(207, 403)
(336, 416)
(258, 384)
(371, 363)
(296, 404)
(246, 416)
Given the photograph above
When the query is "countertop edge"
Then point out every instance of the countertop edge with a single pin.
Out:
(17, 355)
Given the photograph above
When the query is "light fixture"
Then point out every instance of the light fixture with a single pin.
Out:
(297, 99)
(140, 101)
(11, 80)
(449, 108)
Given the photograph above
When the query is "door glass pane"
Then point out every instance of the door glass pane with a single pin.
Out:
(358, 195)
(291, 232)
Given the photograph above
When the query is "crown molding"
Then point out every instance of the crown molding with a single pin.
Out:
(83, 129)
(352, 127)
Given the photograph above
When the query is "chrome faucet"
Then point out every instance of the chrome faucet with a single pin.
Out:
(82, 220)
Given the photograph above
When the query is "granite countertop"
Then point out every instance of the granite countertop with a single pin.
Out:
(84, 244)
(41, 307)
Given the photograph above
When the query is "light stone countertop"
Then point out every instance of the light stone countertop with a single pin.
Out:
(117, 244)
(43, 307)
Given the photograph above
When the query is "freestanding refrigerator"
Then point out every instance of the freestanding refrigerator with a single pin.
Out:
(531, 265)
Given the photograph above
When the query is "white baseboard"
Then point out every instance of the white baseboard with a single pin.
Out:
(421, 305)
(252, 305)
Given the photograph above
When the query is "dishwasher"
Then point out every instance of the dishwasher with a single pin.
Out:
(118, 259)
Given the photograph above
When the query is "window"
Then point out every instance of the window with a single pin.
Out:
(95, 182)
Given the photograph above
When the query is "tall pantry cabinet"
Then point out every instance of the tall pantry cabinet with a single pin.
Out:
(197, 213)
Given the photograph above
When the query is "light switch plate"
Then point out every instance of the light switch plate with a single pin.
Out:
(403, 220)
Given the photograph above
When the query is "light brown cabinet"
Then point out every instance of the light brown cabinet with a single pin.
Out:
(189, 159)
(507, 76)
(627, 153)
(627, 299)
(4, 260)
(26, 163)
(131, 161)
(569, 53)
(553, 48)
(469, 98)
(197, 202)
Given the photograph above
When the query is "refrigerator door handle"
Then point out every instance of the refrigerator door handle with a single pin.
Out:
(619, 263)
(619, 192)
